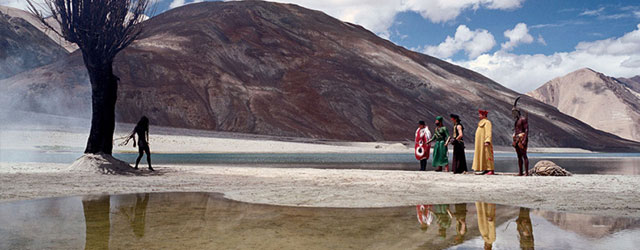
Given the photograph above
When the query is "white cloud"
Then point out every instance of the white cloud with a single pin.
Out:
(518, 35)
(614, 16)
(541, 40)
(595, 12)
(176, 3)
(617, 57)
(378, 15)
(474, 43)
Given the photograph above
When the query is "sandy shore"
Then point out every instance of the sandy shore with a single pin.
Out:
(594, 194)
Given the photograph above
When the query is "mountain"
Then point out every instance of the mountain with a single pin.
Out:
(596, 99)
(18, 13)
(633, 83)
(22, 45)
(280, 69)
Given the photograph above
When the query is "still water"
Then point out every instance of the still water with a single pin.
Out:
(579, 163)
(208, 221)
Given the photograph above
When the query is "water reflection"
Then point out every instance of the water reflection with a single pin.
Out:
(98, 225)
(487, 223)
(461, 222)
(205, 221)
(136, 214)
(525, 229)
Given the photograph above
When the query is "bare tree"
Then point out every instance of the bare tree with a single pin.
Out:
(101, 29)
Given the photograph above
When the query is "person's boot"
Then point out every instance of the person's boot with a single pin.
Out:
(439, 169)
(446, 168)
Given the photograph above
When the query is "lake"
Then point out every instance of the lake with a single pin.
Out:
(209, 221)
(579, 163)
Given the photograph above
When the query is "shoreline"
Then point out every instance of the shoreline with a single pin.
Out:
(614, 195)
(305, 187)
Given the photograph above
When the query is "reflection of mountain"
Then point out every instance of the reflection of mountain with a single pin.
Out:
(278, 69)
(589, 225)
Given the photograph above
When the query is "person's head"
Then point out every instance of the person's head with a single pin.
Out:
(421, 124)
(482, 114)
(515, 112)
(439, 121)
(455, 118)
(143, 123)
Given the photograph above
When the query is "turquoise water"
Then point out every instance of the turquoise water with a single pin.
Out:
(208, 221)
(581, 163)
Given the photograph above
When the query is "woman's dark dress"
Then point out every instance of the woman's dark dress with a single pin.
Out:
(459, 161)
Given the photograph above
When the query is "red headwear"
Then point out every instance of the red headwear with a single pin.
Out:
(483, 112)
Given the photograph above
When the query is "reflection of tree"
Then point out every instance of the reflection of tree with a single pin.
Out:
(96, 217)
(525, 229)
(461, 222)
(487, 223)
(139, 214)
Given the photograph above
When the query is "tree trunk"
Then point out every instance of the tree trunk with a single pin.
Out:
(104, 93)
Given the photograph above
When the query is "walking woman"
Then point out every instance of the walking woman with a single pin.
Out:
(459, 161)
(142, 130)
(440, 135)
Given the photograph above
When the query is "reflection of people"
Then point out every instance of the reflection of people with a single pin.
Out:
(425, 216)
(440, 135)
(139, 215)
(142, 130)
(461, 222)
(520, 137)
(525, 230)
(483, 155)
(487, 223)
(443, 214)
(459, 161)
(422, 147)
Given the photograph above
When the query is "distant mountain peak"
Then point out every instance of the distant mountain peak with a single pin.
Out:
(587, 94)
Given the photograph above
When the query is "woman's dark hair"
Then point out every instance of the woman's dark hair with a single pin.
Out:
(143, 124)
(456, 117)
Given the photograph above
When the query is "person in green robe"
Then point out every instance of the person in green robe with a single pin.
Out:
(440, 136)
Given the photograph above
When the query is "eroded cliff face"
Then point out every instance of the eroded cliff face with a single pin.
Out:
(601, 101)
(279, 69)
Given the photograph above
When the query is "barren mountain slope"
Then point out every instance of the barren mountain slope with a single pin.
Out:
(279, 69)
(23, 46)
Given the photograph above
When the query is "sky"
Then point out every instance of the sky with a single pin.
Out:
(520, 44)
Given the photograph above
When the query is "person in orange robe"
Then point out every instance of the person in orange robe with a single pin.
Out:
(483, 161)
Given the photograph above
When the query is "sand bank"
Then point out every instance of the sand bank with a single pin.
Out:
(594, 194)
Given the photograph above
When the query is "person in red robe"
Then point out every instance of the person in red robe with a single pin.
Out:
(422, 146)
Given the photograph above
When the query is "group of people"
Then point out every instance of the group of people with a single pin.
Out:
(483, 160)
